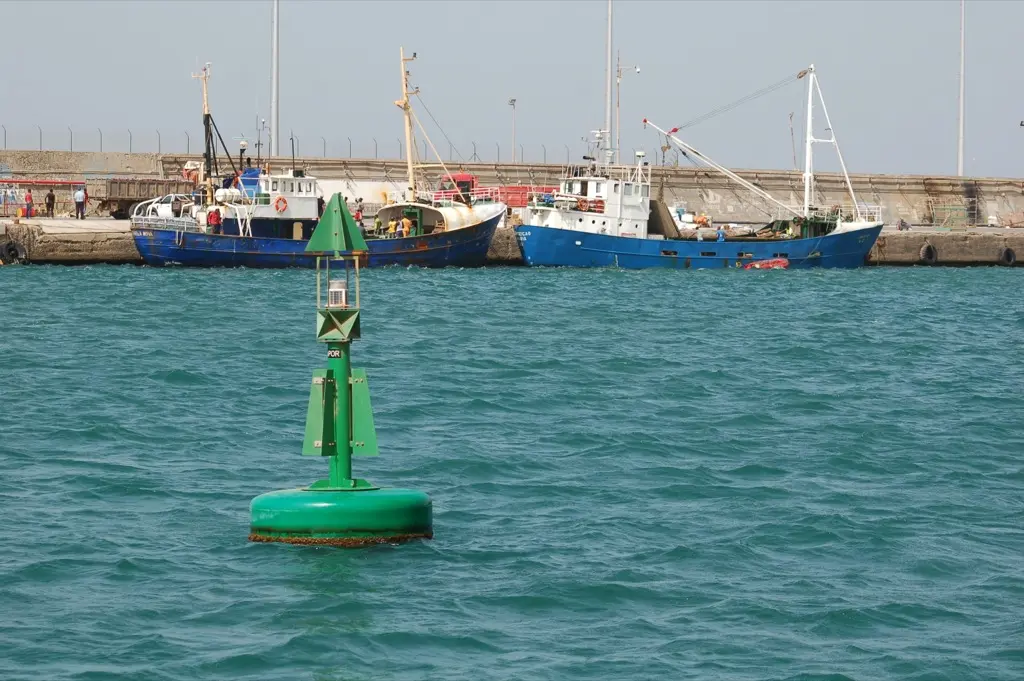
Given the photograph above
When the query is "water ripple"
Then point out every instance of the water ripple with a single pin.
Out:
(701, 475)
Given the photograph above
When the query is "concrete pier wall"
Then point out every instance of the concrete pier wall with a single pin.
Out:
(918, 199)
(946, 207)
(75, 242)
(77, 165)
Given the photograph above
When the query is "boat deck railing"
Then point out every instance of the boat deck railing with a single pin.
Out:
(868, 212)
(177, 224)
(445, 198)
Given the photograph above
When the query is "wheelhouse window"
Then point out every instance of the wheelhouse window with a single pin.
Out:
(274, 186)
(645, 191)
(627, 189)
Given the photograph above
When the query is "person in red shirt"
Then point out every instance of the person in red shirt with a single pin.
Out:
(213, 221)
(28, 203)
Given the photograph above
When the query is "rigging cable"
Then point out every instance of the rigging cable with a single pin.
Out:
(452, 144)
(743, 100)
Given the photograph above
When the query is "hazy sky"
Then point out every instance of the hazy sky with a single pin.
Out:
(888, 71)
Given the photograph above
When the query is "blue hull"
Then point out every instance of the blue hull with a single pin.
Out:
(552, 247)
(466, 247)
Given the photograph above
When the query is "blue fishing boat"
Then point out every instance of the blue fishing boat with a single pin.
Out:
(162, 242)
(257, 218)
(603, 216)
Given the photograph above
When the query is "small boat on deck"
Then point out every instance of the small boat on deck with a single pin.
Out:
(262, 219)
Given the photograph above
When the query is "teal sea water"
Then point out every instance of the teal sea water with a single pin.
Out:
(653, 475)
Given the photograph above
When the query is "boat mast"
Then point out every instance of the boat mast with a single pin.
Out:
(608, 151)
(404, 105)
(203, 77)
(275, 78)
(808, 141)
(835, 143)
(960, 139)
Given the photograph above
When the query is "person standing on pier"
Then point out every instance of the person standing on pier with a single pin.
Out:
(28, 203)
(50, 200)
(80, 204)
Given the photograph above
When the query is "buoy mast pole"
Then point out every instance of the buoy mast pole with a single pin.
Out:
(339, 368)
(404, 105)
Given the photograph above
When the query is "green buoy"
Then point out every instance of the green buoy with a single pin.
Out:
(340, 510)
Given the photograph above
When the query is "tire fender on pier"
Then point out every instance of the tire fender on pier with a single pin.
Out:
(1007, 256)
(928, 254)
(12, 252)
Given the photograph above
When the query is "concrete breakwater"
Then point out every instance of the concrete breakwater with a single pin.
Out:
(948, 213)
(75, 242)
(920, 200)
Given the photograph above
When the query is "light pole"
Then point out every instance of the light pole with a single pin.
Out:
(375, 147)
(545, 150)
(188, 142)
(349, 147)
(40, 138)
(129, 140)
(5, 138)
(71, 139)
(275, 79)
(618, 86)
(325, 146)
(512, 103)
(101, 138)
(159, 142)
(960, 138)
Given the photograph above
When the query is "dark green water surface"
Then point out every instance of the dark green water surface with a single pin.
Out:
(653, 475)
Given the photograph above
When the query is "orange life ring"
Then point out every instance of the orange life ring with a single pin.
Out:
(280, 204)
(599, 206)
(583, 204)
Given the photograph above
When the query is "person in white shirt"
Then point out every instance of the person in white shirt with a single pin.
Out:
(80, 203)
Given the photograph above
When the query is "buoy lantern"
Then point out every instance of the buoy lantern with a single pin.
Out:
(340, 510)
